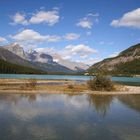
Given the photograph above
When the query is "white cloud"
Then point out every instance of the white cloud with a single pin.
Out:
(71, 36)
(87, 21)
(80, 50)
(48, 50)
(42, 16)
(53, 38)
(31, 35)
(89, 61)
(49, 17)
(79, 53)
(2, 39)
(114, 54)
(28, 46)
(130, 19)
(19, 18)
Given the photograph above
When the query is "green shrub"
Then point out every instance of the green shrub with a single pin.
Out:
(70, 87)
(100, 83)
(29, 84)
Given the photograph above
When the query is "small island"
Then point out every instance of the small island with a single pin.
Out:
(37, 86)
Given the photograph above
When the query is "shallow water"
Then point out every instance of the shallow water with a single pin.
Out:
(125, 80)
(69, 117)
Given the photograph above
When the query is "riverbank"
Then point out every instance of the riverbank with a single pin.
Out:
(58, 86)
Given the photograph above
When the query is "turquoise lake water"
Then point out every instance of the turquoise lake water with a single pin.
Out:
(69, 117)
(131, 80)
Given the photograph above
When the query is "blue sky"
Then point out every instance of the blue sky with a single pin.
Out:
(80, 30)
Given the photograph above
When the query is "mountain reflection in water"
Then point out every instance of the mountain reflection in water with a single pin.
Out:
(63, 116)
(132, 101)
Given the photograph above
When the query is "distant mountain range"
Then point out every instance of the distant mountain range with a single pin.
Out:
(15, 54)
(14, 57)
(127, 62)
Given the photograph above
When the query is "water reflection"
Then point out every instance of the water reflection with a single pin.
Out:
(60, 117)
(30, 97)
(101, 103)
(132, 101)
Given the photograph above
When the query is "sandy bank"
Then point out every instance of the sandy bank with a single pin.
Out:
(19, 86)
(130, 90)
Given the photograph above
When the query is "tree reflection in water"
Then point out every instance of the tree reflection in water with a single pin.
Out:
(30, 97)
(101, 103)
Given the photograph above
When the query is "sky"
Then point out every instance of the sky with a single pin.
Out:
(78, 30)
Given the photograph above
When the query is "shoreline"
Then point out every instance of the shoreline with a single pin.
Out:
(20, 86)
(62, 92)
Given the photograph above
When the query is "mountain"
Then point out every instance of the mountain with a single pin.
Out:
(127, 62)
(16, 49)
(35, 56)
(76, 66)
(11, 53)
(7, 67)
(8, 56)
(44, 61)
(55, 58)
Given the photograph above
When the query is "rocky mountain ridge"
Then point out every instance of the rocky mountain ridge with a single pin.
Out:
(127, 61)
(14, 53)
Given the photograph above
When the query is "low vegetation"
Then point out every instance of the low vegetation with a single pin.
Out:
(61, 86)
(29, 84)
(101, 83)
(70, 87)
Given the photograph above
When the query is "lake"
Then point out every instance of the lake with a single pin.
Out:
(69, 117)
(127, 80)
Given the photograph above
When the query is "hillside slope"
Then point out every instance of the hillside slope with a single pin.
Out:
(127, 62)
